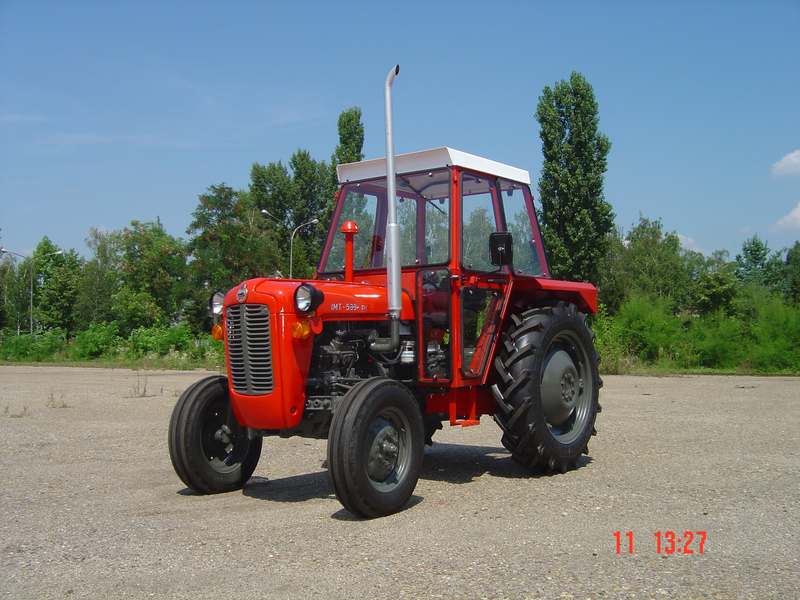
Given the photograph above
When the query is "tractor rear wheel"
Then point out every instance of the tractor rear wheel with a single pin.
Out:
(210, 451)
(375, 447)
(547, 387)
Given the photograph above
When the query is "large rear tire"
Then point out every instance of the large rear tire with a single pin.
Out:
(375, 447)
(210, 451)
(547, 387)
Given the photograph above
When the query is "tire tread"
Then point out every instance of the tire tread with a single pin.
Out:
(515, 366)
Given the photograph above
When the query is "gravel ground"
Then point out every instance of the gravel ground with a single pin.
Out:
(91, 507)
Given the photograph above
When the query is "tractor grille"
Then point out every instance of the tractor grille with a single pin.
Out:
(250, 348)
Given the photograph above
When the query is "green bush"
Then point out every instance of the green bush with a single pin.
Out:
(757, 332)
(209, 350)
(160, 341)
(37, 347)
(169, 347)
(762, 335)
(718, 341)
(97, 340)
(650, 331)
(776, 337)
(610, 345)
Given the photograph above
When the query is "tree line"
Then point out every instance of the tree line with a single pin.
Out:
(661, 304)
(142, 278)
(142, 291)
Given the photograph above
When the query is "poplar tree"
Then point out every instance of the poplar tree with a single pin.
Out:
(576, 219)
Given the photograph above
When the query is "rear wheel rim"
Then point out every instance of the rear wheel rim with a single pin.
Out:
(567, 387)
(388, 447)
(221, 442)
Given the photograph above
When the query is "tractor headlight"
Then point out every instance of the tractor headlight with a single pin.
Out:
(307, 298)
(215, 304)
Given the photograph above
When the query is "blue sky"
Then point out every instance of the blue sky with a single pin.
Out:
(118, 111)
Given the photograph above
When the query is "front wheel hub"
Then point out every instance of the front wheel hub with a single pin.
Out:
(384, 450)
(223, 434)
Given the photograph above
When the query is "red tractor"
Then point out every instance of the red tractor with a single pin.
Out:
(432, 302)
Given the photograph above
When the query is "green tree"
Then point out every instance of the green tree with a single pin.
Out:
(613, 283)
(351, 137)
(349, 149)
(100, 279)
(718, 259)
(293, 196)
(16, 286)
(758, 265)
(154, 262)
(653, 264)
(793, 272)
(715, 290)
(230, 240)
(750, 264)
(271, 189)
(304, 190)
(57, 287)
(576, 219)
(133, 309)
(55, 282)
(6, 282)
(307, 185)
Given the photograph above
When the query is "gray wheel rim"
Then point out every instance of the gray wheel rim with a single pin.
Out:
(388, 449)
(567, 387)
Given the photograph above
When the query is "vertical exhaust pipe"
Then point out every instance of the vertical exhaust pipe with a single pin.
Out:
(392, 228)
(392, 254)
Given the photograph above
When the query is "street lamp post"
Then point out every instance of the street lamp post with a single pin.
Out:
(33, 261)
(291, 242)
(266, 213)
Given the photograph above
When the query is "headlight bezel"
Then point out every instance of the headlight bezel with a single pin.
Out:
(309, 296)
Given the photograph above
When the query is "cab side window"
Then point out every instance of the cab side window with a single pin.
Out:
(478, 220)
(518, 222)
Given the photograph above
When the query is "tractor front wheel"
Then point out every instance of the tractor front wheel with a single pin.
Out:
(547, 387)
(375, 447)
(210, 451)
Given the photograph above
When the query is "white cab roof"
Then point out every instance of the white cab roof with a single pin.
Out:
(428, 160)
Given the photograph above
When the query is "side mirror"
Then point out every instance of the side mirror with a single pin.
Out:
(501, 248)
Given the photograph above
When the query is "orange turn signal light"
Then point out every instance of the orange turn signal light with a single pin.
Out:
(301, 329)
(216, 332)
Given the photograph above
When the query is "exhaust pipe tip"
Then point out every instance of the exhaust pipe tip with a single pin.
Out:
(393, 72)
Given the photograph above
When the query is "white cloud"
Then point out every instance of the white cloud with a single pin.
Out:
(689, 243)
(788, 165)
(790, 221)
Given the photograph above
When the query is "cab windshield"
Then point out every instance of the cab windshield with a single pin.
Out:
(423, 214)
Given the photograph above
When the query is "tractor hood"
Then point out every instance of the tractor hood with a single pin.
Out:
(341, 300)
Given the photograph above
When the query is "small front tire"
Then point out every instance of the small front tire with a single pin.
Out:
(375, 447)
(210, 451)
